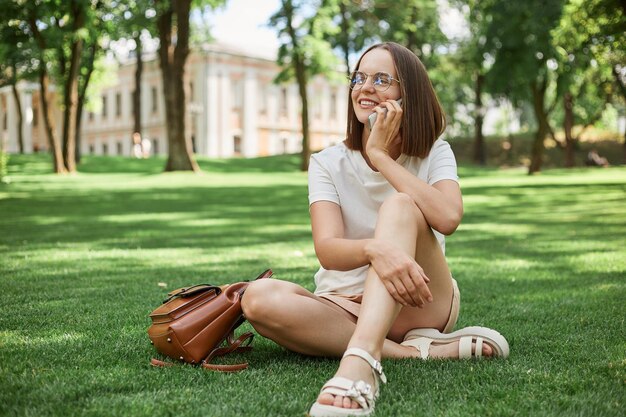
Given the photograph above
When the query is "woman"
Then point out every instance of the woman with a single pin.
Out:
(380, 203)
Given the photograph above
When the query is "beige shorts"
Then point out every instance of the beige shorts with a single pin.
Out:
(352, 305)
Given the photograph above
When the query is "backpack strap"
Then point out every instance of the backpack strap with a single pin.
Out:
(241, 344)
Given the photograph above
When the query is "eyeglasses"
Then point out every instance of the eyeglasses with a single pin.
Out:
(381, 80)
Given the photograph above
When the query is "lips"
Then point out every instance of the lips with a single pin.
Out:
(367, 103)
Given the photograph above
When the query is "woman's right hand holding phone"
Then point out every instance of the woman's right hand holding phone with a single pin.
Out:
(385, 133)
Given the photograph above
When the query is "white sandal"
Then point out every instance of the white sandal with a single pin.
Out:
(359, 391)
(423, 338)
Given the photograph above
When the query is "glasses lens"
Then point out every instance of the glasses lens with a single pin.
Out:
(382, 81)
(357, 79)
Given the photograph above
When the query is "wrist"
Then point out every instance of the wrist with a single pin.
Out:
(370, 249)
(378, 157)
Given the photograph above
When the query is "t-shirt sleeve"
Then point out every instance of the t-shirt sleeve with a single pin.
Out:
(442, 163)
(321, 185)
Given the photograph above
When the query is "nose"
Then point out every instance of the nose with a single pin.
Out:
(369, 84)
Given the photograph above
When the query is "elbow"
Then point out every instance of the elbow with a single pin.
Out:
(324, 260)
(450, 223)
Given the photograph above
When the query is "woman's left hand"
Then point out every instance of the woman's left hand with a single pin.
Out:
(385, 136)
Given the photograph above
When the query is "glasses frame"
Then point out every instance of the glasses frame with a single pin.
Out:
(356, 86)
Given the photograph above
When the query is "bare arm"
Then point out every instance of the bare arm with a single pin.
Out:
(441, 202)
(395, 268)
(332, 249)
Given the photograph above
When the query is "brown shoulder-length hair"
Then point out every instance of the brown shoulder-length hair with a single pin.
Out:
(423, 119)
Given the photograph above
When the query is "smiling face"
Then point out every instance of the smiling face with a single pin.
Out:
(367, 97)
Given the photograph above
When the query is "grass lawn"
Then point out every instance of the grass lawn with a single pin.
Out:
(542, 259)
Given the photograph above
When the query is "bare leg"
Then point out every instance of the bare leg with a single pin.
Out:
(303, 322)
(401, 222)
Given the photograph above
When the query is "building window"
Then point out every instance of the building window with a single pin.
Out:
(237, 144)
(191, 94)
(105, 149)
(4, 122)
(120, 148)
(194, 148)
(155, 98)
(92, 149)
(333, 105)
(91, 115)
(155, 146)
(104, 107)
(35, 116)
(118, 104)
(283, 102)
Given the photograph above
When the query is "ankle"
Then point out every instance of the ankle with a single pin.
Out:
(372, 348)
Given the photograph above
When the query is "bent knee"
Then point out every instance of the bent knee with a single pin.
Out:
(402, 207)
(259, 301)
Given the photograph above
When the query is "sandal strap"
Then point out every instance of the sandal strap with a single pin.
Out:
(376, 366)
(465, 347)
(479, 347)
(423, 345)
(359, 391)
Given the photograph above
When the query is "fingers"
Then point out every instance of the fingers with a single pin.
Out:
(409, 288)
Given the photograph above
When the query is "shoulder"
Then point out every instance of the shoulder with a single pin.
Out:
(440, 145)
(331, 155)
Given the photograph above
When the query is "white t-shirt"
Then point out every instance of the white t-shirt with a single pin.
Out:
(342, 176)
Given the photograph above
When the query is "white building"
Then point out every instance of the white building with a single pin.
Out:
(233, 109)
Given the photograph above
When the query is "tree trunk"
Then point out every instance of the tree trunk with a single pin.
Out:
(81, 96)
(568, 124)
(622, 89)
(479, 142)
(345, 33)
(53, 143)
(536, 158)
(300, 69)
(71, 90)
(137, 91)
(71, 108)
(172, 60)
(55, 146)
(302, 85)
(20, 117)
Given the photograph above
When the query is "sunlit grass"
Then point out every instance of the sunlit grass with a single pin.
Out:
(84, 259)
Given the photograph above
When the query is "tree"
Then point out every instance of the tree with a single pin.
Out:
(519, 38)
(66, 34)
(32, 14)
(303, 53)
(354, 24)
(134, 24)
(172, 22)
(414, 24)
(585, 76)
(15, 64)
(470, 68)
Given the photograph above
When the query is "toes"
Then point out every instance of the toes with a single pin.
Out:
(326, 399)
(487, 350)
(347, 402)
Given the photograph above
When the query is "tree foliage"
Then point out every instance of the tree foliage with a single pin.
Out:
(303, 52)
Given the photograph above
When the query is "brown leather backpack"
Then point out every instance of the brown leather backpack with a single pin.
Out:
(195, 321)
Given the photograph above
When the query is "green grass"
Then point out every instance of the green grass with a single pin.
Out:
(542, 259)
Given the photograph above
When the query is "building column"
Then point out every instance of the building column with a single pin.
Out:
(211, 110)
(225, 109)
(11, 143)
(26, 98)
(250, 115)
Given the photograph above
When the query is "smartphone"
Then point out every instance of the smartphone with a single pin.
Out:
(372, 117)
